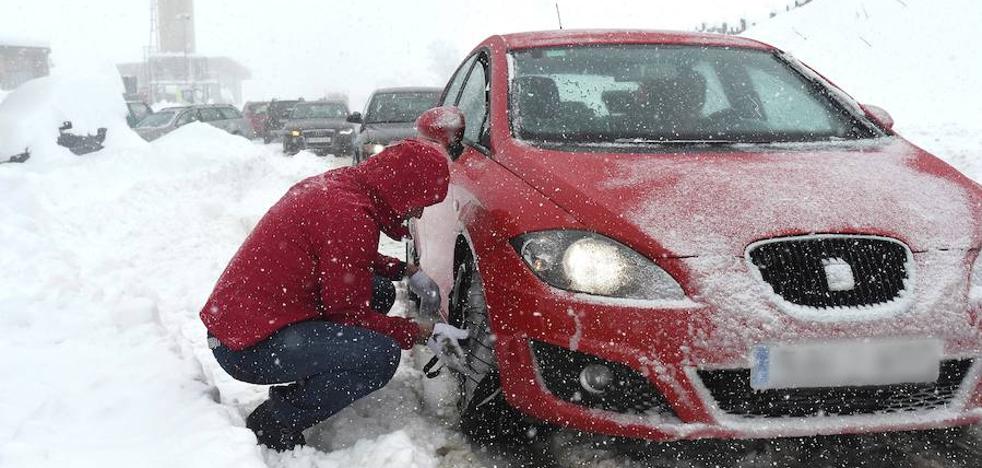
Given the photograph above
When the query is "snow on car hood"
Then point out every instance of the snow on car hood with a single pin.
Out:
(708, 202)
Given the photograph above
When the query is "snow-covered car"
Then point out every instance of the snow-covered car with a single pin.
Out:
(222, 116)
(389, 116)
(673, 236)
(321, 127)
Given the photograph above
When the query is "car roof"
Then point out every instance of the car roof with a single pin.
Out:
(408, 89)
(569, 37)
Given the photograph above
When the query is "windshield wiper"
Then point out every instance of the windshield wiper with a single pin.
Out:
(647, 141)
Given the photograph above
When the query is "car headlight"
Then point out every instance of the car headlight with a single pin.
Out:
(371, 149)
(295, 133)
(585, 262)
(346, 131)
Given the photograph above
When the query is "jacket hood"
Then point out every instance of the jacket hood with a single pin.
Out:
(709, 202)
(410, 175)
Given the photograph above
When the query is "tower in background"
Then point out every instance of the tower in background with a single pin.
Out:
(175, 25)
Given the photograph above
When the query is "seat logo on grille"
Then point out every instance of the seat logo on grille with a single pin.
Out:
(838, 275)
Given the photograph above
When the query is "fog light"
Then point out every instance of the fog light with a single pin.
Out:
(595, 378)
(295, 133)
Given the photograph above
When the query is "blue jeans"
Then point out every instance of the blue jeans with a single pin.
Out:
(327, 366)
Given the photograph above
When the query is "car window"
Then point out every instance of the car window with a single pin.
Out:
(257, 107)
(401, 106)
(210, 114)
(230, 113)
(187, 117)
(139, 110)
(319, 110)
(473, 103)
(654, 93)
(458, 80)
(160, 119)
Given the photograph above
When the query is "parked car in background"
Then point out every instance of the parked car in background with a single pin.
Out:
(321, 127)
(389, 116)
(277, 113)
(166, 120)
(679, 236)
(137, 111)
(255, 113)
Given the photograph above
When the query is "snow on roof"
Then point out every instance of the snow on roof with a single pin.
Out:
(11, 40)
(564, 37)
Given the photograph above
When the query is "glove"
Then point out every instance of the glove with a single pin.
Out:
(427, 291)
(445, 344)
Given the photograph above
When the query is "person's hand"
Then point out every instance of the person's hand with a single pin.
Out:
(411, 269)
(445, 344)
(425, 330)
(427, 291)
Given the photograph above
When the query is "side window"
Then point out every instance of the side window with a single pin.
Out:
(230, 113)
(474, 103)
(187, 117)
(209, 114)
(458, 80)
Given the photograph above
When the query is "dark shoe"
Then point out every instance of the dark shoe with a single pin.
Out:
(270, 433)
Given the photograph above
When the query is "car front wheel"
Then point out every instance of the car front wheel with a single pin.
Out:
(485, 415)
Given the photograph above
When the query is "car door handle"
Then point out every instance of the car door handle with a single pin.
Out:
(456, 205)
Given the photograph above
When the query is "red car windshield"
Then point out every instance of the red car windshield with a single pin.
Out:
(636, 94)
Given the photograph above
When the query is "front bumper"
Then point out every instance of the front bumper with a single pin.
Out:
(683, 350)
(326, 143)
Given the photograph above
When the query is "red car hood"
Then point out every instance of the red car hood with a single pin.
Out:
(696, 203)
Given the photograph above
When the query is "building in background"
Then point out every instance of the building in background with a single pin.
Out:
(173, 71)
(21, 61)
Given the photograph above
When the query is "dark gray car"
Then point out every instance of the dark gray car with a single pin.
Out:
(390, 116)
(321, 127)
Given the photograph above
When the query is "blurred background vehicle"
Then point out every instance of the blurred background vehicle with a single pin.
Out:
(390, 116)
(223, 116)
(321, 127)
(255, 113)
(138, 110)
(277, 113)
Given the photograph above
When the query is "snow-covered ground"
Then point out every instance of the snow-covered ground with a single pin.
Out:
(105, 260)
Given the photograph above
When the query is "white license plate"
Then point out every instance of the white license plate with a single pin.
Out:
(319, 140)
(845, 363)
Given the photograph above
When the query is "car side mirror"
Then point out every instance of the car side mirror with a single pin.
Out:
(444, 125)
(354, 117)
(878, 115)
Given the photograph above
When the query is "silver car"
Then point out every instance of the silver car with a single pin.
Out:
(223, 116)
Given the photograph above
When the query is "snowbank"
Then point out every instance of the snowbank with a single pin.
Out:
(31, 114)
(913, 58)
(105, 263)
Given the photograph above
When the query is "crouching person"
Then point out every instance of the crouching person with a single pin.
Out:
(303, 302)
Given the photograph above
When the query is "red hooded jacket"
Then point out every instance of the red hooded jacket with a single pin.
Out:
(312, 256)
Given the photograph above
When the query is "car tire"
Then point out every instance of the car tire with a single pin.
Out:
(485, 415)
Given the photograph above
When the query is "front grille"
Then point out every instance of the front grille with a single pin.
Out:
(733, 394)
(630, 392)
(797, 268)
(318, 133)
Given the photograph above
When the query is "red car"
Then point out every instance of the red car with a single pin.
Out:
(675, 236)
(255, 114)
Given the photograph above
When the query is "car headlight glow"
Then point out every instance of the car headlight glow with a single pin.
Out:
(585, 262)
(346, 131)
(295, 133)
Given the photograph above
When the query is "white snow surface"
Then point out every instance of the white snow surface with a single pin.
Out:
(31, 115)
(105, 262)
(105, 259)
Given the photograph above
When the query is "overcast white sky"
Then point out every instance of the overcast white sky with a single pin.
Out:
(309, 47)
